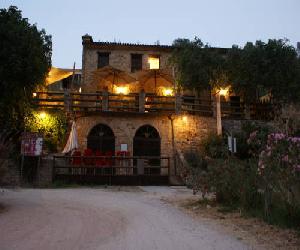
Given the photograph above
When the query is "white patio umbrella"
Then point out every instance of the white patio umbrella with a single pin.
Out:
(72, 142)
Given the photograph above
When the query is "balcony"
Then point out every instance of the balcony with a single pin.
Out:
(147, 103)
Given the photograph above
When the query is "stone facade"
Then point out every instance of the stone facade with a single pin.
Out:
(189, 130)
(120, 58)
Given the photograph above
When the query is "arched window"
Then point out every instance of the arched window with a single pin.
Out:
(101, 138)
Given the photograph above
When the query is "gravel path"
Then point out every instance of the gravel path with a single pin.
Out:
(109, 219)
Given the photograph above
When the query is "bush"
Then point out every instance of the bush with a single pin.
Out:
(234, 182)
(214, 147)
(263, 182)
(53, 126)
(197, 175)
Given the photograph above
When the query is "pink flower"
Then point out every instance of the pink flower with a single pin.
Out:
(286, 158)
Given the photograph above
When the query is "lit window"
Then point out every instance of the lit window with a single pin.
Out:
(153, 62)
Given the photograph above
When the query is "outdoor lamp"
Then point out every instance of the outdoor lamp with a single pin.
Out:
(168, 92)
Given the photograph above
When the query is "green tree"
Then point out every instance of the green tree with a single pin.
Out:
(25, 59)
(197, 64)
(262, 68)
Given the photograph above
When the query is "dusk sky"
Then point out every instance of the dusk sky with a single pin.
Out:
(220, 23)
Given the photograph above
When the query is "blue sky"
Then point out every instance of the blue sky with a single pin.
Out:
(220, 23)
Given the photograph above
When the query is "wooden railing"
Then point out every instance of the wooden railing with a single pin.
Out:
(148, 103)
(94, 167)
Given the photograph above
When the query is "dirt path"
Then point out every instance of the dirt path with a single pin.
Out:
(91, 218)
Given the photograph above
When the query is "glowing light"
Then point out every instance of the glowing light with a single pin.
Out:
(122, 90)
(184, 118)
(42, 115)
(167, 92)
(34, 94)
(79, 90)
(154, 62)
(224, 92)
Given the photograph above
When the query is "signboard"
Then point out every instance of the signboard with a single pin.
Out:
(32, 144)
(232, 144)
(124, 147)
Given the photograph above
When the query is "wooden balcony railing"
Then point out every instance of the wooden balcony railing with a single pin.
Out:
(149, 103)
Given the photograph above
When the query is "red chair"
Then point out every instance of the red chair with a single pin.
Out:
(88, 161)
(99, 161)
(76, 158)
(108, 160)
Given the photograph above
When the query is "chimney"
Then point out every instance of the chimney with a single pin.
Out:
(87, 39)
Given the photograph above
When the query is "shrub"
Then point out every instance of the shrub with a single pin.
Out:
(234, 182)
(197, 175)
(53, 126)
(279, 168)
(214, 146)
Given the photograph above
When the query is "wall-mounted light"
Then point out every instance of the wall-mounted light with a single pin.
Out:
(34, 94)
(167, 92)
(122, 90)
(42, 115)
(224, 91)
(79, 90)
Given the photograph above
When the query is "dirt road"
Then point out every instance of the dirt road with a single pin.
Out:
(108, 219)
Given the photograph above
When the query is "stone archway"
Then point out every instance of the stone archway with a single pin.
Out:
(102, 138)
(147, 142)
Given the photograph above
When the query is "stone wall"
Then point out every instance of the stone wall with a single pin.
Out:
(188, 129)
(120, 59)
(9, 173)
(45, 171)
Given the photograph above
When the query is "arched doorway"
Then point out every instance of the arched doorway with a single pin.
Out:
(101, 138)
(146, 142)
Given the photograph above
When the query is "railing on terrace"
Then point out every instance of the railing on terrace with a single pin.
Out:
(96, 167)
(149, 103)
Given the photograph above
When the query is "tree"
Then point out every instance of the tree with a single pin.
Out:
(197, 65)
(25, 59)
(261, 68)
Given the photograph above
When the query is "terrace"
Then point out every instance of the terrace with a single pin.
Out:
(147, 103)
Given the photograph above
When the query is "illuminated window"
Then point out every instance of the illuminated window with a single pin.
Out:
(103, 59)
(154, 62)
(136, 62)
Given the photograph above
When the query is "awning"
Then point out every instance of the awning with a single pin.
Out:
(57, 74)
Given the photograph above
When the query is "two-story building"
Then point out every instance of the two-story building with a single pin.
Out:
(139, 115)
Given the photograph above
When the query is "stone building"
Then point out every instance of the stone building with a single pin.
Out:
(143, 131)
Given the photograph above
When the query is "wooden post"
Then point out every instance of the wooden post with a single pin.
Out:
(142, 97)
(140, 166)
(67, 100)
(219, 118)
(246, 111)
(173, 144)
(178, 103)
(105, 100)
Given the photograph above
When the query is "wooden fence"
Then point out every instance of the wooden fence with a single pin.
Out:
(112, 169)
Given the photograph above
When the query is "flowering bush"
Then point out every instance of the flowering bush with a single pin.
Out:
(278, 167)
(281, 153)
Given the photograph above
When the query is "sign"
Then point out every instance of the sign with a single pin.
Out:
(32, 144)
(232, 144)
(124, 147)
